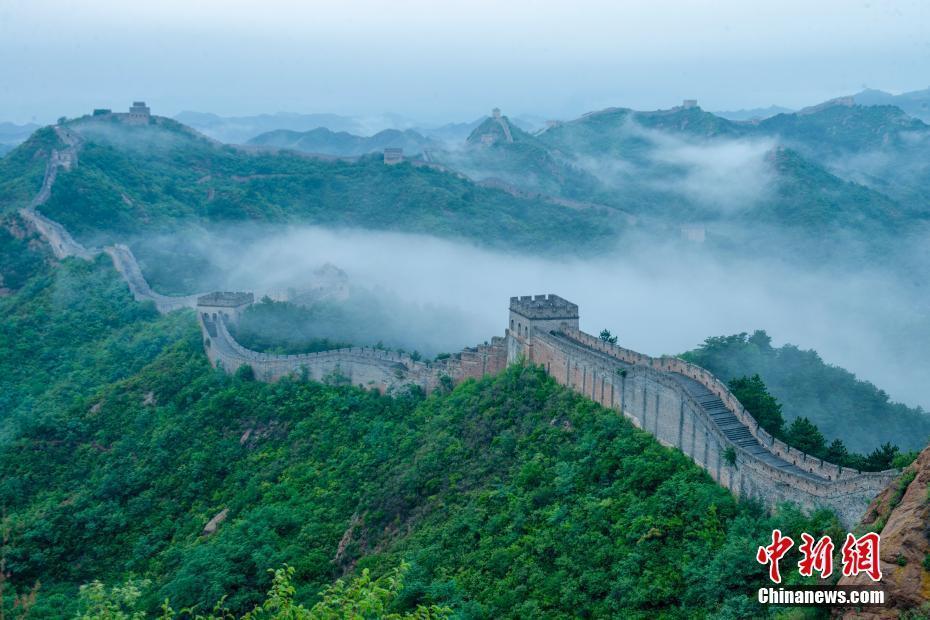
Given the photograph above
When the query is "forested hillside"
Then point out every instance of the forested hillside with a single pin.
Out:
(22, 170)
(165, 177)
(831, 397)
(129, 463)
(344, 144)
(843, 185)
(508, 497)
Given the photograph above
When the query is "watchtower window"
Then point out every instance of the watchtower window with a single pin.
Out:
(511, 323)
(526, 331)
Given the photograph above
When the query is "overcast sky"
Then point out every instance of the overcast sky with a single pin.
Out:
(447, 60)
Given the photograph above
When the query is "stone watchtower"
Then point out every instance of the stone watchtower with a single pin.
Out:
(223, 305)
(393, 155)
(529, 313)
(139, 113)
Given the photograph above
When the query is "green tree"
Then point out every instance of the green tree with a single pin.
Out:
(805, 436)
(120, 602)
(606, 336)
(837, 452)
(362, 598)
(881, 458)
(752, 393)
(762, 340)
(365, 598)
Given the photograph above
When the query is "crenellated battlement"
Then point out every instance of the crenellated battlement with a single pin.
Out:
(366, 367)
(687, 407)
(542, 313)
(226, 299)
(544, 307)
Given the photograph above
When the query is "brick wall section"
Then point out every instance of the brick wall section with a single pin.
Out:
(64, 245)
(649, 392)
(362, 366)
(125, 263)
(674, 364)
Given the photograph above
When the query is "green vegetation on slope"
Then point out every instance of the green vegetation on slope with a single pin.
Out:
(841, 130)
(283, 328)
(840, 405)
(509, 497)
(134, 179)
(524, 165)
(665, 167)
(362, 598)
(623, 133)
(23, 168)
(70, 329)
(804, 435)
(812, 199)
(567, 169)
(20, 254)
(344, 144)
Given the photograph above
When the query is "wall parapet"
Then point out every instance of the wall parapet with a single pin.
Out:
(379, 368)
(825, 469)
(544, 307)
(681, 406)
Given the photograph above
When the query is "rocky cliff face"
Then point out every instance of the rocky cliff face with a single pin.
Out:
(902, 514)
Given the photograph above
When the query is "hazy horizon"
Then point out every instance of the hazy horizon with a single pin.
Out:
(452, 63)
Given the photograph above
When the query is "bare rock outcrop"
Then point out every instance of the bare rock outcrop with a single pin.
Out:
(214, 523)
(902, 513)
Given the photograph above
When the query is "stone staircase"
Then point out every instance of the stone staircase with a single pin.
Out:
(732, 428)
(209, 325)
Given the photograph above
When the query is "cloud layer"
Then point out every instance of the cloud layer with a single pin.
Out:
(446, 295)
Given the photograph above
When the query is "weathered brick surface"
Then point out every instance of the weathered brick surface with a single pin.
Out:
(651, 393)
(362, 366)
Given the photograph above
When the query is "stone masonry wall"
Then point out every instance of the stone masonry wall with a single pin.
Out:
(362, 366)
(125, 263)
(647, 392)
(63, 245)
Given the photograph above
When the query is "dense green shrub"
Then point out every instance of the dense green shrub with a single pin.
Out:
(509, 497)
(841, 406)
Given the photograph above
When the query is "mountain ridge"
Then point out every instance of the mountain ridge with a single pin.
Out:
(342, 143)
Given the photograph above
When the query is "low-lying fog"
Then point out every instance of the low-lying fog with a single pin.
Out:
(442, 295)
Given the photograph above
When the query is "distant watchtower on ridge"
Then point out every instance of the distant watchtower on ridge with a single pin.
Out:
(224, 305)
(139, 113)
(393, 155)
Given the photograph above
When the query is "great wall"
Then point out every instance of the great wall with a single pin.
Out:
(682, 405)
